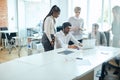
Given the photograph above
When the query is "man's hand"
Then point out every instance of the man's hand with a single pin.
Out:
(80, 44)
(73, 46)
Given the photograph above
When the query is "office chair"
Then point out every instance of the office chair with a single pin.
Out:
(59, 28)
(3, 36)
(8, 40)
(115, 63)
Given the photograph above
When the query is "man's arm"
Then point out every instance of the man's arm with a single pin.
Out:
(75, 41)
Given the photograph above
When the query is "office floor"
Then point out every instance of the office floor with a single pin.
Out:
(4, 57)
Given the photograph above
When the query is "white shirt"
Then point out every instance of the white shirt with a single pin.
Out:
(62, 40)
(49, 27)
(76, 24)
(100, 38)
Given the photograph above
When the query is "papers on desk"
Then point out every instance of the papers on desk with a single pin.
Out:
(82, 62)
(65, 52)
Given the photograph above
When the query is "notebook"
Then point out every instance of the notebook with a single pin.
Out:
(65, 52)
(88, 43)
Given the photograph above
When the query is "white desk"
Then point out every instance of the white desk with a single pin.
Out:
(54, 66)
(7, 43)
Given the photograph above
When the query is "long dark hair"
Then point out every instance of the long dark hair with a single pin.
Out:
(55, 8)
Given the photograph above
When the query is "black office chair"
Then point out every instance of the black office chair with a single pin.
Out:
(115, 63)
(103, 71)
(9, 36)
(59, 28)
(106, 66)
(10, 40)
(3, 37)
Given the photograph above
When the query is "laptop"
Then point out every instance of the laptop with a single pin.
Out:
(88, 43)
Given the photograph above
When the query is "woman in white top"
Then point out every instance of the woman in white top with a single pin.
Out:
(77, 24)
(48, 28)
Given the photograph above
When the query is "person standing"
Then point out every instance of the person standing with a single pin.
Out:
(116, 34)
(115, 62)
(77, 24)
(48, 37)
(116, 26)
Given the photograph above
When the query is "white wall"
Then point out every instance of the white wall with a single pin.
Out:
(16, 17)
(21, 19)
(35, 12)
(12, 14)
(63, 4)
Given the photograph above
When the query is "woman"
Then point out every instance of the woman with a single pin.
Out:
(77, 24)
(48, 28)
(115, 63)
(116, 34)
(116, 26)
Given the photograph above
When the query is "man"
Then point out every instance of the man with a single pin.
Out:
(63, 37)
(99, 36)
(100, 40)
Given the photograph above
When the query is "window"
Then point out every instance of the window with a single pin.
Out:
(81, 3)
(114, 3)
(35, 11)
(106, 19)
(90, 10)
(95, 11)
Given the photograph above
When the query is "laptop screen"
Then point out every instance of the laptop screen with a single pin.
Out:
(88, 43)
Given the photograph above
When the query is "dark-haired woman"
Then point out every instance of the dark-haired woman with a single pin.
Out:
(49, 29)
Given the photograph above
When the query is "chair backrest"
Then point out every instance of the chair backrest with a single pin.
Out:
(59, 28)
(9, 36)
(3, 35)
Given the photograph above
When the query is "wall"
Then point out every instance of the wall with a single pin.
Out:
(12, 14)
(3, 13)
(8, 14)
(21, 19)
(63, 17)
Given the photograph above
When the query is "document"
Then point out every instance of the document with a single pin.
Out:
(82, 62)
(65, 52)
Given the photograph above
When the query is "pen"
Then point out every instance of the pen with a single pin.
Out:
(79, 58)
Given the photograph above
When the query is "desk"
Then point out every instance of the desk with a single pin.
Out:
(8, 45)
(34, 43)
(53, 66)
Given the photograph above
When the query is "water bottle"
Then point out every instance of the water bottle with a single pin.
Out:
(29, 47)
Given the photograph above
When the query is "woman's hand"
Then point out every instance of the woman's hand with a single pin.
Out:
(52, 43)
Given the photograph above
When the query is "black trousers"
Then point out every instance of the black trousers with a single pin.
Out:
(71, 43)
(46, 43)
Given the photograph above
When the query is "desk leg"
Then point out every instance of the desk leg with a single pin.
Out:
(89, 76)
(19, 51)
(10, 48)
(1, 48)
(20, 45)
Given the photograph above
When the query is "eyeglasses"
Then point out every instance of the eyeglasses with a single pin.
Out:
(77, 12)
